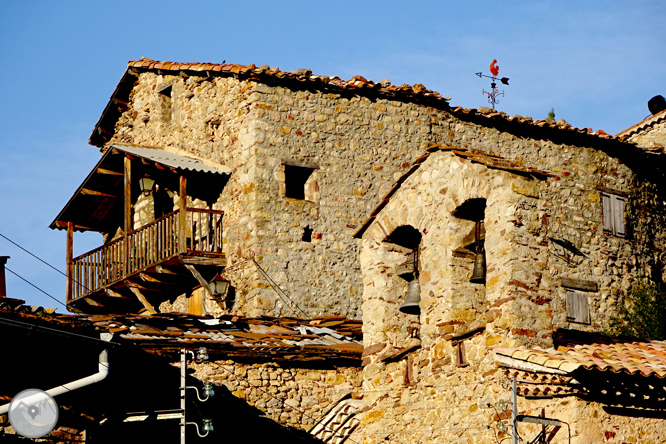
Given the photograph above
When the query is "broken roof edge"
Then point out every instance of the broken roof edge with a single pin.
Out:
(509, 166)
(642, 125)
(416, 93)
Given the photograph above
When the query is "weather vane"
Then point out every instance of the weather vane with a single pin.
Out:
(494, 91)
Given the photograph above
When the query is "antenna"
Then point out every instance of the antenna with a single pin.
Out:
(494, 92)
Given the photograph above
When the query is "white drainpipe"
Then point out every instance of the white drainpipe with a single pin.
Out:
(103, 371)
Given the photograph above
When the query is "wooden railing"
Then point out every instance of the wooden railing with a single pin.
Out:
(200, 231)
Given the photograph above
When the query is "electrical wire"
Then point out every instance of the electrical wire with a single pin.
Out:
(36, 257)
(43, 261)
(281, 292)
(27, 281)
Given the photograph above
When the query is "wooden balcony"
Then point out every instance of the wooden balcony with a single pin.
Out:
(159, 261)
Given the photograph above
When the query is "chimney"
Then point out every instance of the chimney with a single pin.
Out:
(3, 287)
(656, 104)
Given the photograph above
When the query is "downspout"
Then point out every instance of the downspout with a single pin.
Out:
(103, 371)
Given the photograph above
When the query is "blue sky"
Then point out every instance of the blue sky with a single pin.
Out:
(597, 63)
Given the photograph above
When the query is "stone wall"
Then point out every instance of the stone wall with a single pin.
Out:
(356, 148)
(428, 377)
(291, 395)
(652, 135)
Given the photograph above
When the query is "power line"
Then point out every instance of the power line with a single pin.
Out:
(278, 290)
(27, 281)
(36, 257)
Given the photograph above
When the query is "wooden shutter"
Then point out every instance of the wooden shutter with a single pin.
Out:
(606, 207)
(578, 307)
(613, 214)
(618, 215)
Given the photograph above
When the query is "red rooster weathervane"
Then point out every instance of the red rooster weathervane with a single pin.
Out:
(494, 91)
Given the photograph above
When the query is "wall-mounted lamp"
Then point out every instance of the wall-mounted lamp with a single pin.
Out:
(219, 286)
(146, 184)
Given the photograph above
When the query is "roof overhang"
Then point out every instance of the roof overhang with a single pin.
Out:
(97, 203)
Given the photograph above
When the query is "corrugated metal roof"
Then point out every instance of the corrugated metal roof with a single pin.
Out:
(168, 159)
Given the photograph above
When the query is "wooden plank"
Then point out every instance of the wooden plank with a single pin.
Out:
(142, 299)
(578, 307)
(127, 210)
(219, 261)
(96, 193)
(617, 203)
(70, 265)
(578, 284)
(182, 215)
(163, 270)
(115, 294)
(200, 279)
(607, 211)
(195, 302)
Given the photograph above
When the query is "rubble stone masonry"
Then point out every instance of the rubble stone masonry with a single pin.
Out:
(356, 148)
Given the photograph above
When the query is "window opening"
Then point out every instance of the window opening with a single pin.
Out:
(295, 180)
(613, 214)
(307, 234)
(461, 358)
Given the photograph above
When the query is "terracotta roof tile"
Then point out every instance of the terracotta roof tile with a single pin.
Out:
(328, 337)
(645, 358)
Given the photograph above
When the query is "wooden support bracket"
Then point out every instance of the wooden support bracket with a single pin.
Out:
(142, 299)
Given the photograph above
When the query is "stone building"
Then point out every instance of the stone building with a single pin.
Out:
(520, 241)
(243, 191)
(280, 169)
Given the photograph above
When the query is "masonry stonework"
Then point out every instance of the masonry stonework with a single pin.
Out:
(291, 395)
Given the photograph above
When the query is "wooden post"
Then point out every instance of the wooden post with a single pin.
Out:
(182, 216)
(3, 285)
(69, 255)
(127, 213)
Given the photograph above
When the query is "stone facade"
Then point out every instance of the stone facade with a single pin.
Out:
(353, 146)
(431, 377)
(292, 395)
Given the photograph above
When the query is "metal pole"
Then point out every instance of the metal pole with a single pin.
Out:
(183, 373)
(514, 411)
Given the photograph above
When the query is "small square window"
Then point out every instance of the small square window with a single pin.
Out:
(295, 181)
(613, 214)
(578, 307)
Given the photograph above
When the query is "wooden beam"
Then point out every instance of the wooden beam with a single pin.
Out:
(109, 172)
(115, 294)
(69, 255)
(148, 278)
(219, 261)
(96, 193)
(127, 210)
(163, 270)
(182, 215)
(142, 299)
(200, 278)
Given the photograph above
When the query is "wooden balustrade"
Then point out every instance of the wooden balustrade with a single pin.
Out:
(146, 247)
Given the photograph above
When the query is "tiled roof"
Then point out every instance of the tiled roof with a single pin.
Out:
(227, 336)
(635, 358)
(417, 93)
(643, 125)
